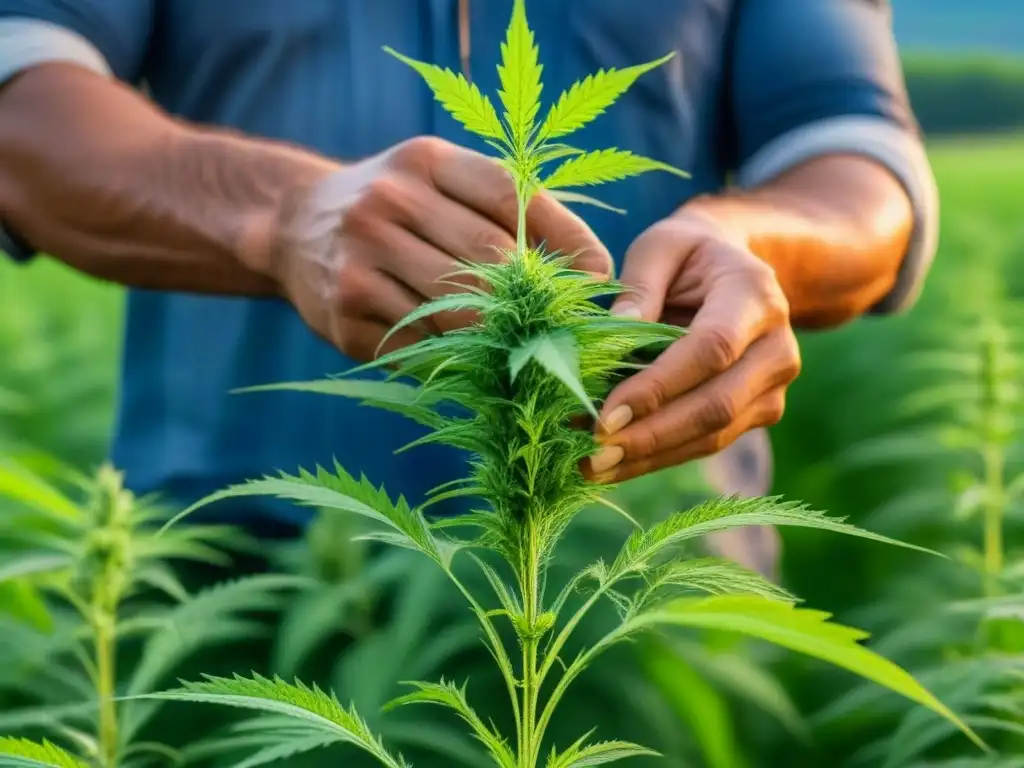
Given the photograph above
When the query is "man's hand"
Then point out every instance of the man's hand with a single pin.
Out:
(727, 376)
(366, 245)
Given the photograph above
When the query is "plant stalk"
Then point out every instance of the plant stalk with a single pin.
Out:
(105, 644)
(528, 747)
(993, 461)
(993, 519)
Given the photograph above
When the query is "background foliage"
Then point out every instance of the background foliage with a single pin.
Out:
(850, 444)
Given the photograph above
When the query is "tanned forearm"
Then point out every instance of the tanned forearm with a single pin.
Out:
(95, 175)
(835, 230)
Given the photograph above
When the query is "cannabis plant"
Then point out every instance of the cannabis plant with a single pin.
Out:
(961, 625)
(96, 580)
(508, 390)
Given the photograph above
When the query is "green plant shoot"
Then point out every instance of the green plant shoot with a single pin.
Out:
(83, 565)
(540, 355)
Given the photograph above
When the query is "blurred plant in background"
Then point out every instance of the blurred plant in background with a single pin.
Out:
(92, 584)
(59, 340)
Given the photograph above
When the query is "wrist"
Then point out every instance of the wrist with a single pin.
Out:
(260, 188)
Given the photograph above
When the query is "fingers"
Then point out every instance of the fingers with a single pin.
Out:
(455, 229)
(766, 410)
(426, 272)
(651, 265)
(736, 312)
(562, 231)
(481, 184)
(359, 338)
(704, 420)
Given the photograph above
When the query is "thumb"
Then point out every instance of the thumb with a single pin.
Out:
(648, 270)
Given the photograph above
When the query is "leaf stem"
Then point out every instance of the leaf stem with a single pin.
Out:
(497, 647)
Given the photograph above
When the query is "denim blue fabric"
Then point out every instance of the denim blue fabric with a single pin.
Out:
(313, 72)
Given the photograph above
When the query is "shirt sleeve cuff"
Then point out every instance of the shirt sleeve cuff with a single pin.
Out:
(25, 43)
(899, 150)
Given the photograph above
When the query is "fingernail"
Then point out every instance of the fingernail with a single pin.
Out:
(607, 458)
(628, 310)
(619, 417)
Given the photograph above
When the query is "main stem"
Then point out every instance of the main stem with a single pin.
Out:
(993, 460)
(528, 748)
(530, 567)
(993, 519)
(105, 648)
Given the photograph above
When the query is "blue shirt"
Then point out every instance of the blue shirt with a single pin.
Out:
(750, 75)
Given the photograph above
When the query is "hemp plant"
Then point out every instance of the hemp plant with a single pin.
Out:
(509, 390)
(94, 565)
(955, 425)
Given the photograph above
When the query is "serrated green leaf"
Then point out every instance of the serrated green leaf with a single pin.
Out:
(588, 98)
(357, 389)
(447, 694)
(798, 629)
(309, 706)
(408, 400)
(520, 76)
(338, 490)
(22, 753)
(602, 166)
(712, 576)
(461, 98)
(557, 354)
(581, 755)
(724, 513)
(453, 302)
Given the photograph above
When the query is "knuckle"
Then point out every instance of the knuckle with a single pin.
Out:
(793, 364)
(363, 219)
(490, 243)
(386, 192)
(652, 396)
(717, 412)
(644, 444)
(709, 445)
(788, 361)
(720, 348)
(353, 288)
(419, 153)
(765, 285)
(774, 409)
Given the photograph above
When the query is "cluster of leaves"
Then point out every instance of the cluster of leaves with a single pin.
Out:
(86, 578)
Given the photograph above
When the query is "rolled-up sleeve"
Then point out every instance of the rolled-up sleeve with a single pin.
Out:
(817, 77)
(110, 37)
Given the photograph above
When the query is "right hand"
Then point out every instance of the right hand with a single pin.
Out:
(370, 242)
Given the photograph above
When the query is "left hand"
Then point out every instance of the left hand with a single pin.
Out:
(727, 376)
